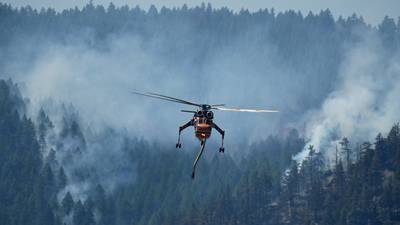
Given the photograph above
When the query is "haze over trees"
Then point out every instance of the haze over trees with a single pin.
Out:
(57, 169)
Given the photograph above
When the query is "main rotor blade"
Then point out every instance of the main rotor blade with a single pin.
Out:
(151, 96)
(245, 110)
(188, 111)
(217, 105)
(176, 99)
(166, 98)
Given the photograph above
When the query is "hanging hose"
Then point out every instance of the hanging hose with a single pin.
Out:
(203, 144)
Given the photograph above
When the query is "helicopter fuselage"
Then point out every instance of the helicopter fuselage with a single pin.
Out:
(202, 122)
(202, 127)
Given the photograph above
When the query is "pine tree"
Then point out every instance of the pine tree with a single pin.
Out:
(67, 204)
(344, 143)
(61, 179)
(44, 125)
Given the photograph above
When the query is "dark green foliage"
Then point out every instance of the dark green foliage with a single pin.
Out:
(44, 125)
(366, 193)
(61, 179)
(26, 187)
(257, 189)
(82, 214)
(67, 204)
(254, 189)
(346, 152)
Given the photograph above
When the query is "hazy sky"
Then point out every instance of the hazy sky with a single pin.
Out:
(373, 11)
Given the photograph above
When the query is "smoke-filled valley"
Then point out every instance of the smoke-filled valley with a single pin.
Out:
(76, 147)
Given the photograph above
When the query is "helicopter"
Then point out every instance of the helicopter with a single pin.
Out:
(202, 120)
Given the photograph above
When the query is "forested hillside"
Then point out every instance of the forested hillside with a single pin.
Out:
(255, 190)
(72, 149)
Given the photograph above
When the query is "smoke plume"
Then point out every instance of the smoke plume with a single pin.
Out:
(364, 103)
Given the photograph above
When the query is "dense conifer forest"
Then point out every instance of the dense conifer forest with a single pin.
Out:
(57, 170)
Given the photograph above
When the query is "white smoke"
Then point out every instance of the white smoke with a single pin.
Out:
(98, 84)
(365, 102)
(98, 81)
(247, 72)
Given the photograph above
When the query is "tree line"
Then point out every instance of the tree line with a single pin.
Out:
(257, 189)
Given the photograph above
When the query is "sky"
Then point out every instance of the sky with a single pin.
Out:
(373, 11)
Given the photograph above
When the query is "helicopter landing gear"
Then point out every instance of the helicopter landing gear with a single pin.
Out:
(222, 132)
(222, 149)
(178, 144)
(181, 128)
